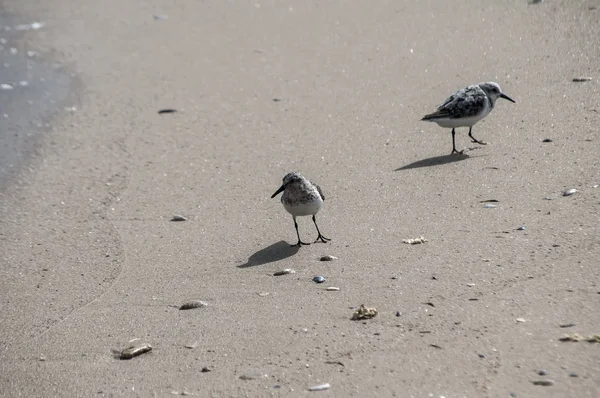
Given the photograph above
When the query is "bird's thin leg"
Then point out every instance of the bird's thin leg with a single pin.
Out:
(454, 144)
(300, 243)
(320, 237)
(475, 140)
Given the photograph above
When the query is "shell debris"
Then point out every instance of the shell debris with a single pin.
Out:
(364, 313)
(415, 241)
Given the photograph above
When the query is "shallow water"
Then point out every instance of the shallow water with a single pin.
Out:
(32, 90)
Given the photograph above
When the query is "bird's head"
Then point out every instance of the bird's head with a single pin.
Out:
(290, 178)
(493, 91)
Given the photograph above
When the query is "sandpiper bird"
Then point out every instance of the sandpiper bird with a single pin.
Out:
(301, 198)
(466, 107)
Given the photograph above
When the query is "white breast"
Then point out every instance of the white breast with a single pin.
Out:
(304, 209)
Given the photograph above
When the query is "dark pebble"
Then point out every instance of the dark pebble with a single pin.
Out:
(481, 356)
(398, 313)
(573, 374)
(542, 372)
(547, 140)
(168, 110)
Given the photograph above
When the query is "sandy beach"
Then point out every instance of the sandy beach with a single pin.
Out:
(91, 262)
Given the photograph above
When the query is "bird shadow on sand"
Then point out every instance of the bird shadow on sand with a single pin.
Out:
(275, 252)
(437, 160)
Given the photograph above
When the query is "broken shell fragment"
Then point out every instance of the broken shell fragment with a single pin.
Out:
(320, 387)
(284, 272)
(135, 350)
(190, 305)
(328, 258)
(415, 241)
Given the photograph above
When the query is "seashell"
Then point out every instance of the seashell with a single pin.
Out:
(569, 192)
(318, 279)
(333, 289)
(178, 217)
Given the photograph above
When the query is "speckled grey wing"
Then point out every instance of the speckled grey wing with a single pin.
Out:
(320, 192)
(464, 103)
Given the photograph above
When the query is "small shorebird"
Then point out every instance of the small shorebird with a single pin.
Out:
(301, 198)
(466, 107)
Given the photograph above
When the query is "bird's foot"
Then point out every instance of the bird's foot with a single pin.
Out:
(322, 239)
(454, 151)
(300, 244)
(475, 141)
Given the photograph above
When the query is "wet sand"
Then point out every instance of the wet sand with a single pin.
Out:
(335, 90)
(33, 90)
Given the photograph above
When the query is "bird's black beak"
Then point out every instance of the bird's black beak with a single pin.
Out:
(506, 97)
(278, 191)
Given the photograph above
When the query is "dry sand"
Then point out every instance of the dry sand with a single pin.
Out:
(90, 259)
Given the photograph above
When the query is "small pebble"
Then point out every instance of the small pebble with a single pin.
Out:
(489, 206)
(470, 284)
(206, 369)
(333, 289)
(542, 372)
(582, 79)
(573, 374)
(521, 229)
(318, 279)
(547, 140)
(263, 294)
(328, 258)
(191, 346)
(5, 86)
(481, 356)
(569, 192)
(178, 217)
(190, 305)
(398, 313)
(521, 320)
(284, 272)
(320, 387)
(512, 394)
(160, 17)
(545, 383)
